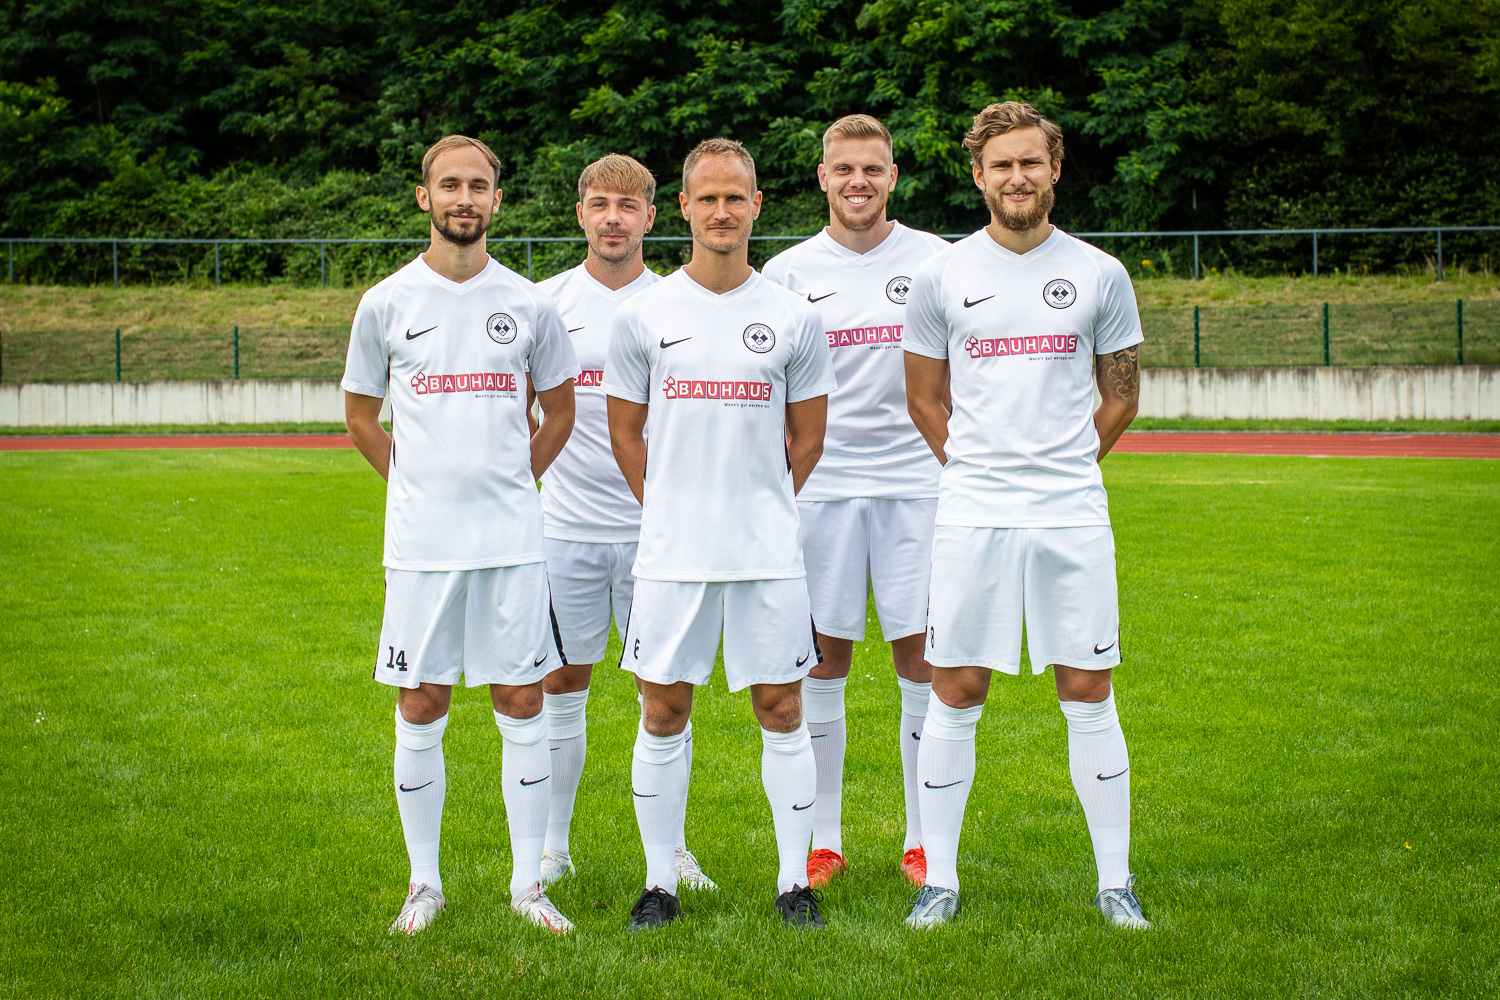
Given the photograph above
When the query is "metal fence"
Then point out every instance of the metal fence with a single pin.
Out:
(1453, 332)
(531, 243)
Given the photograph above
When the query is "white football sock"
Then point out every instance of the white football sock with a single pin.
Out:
(914, 697)
(687, 756)
(823, 711)
(525, 766)
(1101, 776)
(421, 786)
(567, 735)
(790, 778)
(945, 768)
(658, 780)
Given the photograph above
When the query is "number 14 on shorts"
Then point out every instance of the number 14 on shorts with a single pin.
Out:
(397, 660)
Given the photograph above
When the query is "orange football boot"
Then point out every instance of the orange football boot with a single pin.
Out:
(914, 866)
(823, 865)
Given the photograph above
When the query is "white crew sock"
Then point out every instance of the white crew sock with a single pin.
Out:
(945, 768)
(914, 696)
(421, 785)
(823, 711)
(567, 735)
(790, 778)
(1101, 776)
(525, 766)
(658, 781)
(687, 756)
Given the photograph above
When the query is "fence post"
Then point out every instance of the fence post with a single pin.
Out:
(1196, 356)
(1195, 256)
(1325, 335)
(12, 263)
(1440, 254)
(236, 350)
(117, 354)
(323, 263)
(216, 263)
(1460, 331)
(117, 265)
(1315, 253)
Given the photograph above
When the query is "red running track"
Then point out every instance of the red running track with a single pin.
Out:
(1189, 442)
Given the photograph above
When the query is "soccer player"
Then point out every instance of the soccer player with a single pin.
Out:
(1020, 320)
(867, 509)
(735, 373)
(592, 519)
(451, 336)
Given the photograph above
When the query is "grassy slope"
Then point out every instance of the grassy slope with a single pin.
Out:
(197, 797)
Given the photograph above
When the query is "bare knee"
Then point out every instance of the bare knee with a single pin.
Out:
(665, 708)
(517, 702)
(961, 687)
(838, 657)
(1074, 684)
(906, 654)
(778, 707)
(573, 677)
(425, 704)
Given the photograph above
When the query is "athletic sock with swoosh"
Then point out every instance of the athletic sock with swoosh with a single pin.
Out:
(789, 775)
(568, 742)
(658, 782)
(525, 770)
(823, 710)
(945, 773)
(914, 697)
(1100, 767)
(421, 786)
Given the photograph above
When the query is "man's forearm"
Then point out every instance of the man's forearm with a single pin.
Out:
(630, 455)
(931, 418)
(547, 443)
(803, 456)
(1119, 379)
(362, 418)
(1110, 420)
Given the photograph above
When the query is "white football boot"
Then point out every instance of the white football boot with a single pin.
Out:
(422, 906)
(555, 868)
(932, 906)
(690, 873)
(1122, 907)
(536, 907)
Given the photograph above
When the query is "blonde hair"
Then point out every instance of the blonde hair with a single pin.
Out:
(618, 174)
(448, 142)
(718, 147)
(999, 119)
(857, 127)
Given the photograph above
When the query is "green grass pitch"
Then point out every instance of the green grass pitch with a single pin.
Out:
(196, 795)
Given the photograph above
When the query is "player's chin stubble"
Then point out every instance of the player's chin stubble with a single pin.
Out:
(1022, 222)
(855, 224)
(459, 237)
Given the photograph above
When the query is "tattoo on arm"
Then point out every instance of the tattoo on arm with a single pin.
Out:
(1121, 372)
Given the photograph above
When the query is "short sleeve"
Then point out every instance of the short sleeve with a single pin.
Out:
(926, 330)
(552, 360)
(809, 369)
(367, 369)
(627, 369)
(1118, 325)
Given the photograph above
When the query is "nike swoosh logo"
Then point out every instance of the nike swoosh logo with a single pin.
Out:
(640, 796)
(803, 660)
(414, 336)
(417, 788)
(574, 329)
(1103, 777)
(665, 343)
(797, 808)
(928, 784)
(536, 781)
(819, 736)
(916, 736)
(1106, 649)
(538, 663)
(820, 298)
(971, 305)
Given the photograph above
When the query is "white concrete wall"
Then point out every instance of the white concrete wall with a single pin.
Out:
(1431, 392)
(220, 401)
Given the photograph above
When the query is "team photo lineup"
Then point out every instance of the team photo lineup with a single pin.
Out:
(748, 458)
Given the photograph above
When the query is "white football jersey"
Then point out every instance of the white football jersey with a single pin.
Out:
(584, 495)
(872, 449)
(717, 372)
(454, 357)
(1020, 332)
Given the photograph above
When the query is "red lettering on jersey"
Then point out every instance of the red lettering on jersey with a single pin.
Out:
(897, 330)
(1072, 342)
(1030, 345)
(448, 385)
(700, 389)
(713, 390)
(742, 390)
(844, 338)
(463, 383)
(886, 335)
(833, 338)
(1045, 346)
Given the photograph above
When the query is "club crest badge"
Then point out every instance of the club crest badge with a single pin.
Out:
(501, 328)
(759, 338)
(1059, 293)
(897, 289)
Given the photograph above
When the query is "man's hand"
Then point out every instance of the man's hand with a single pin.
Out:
(362, 417)
(627, 438)
(928, 400)
(1119, 378)
(806, 422)
(557, 424)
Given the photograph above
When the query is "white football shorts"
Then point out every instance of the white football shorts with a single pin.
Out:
(1060, 581)
(674, 629)
(490, 626)
(589, 579)
(853, 546)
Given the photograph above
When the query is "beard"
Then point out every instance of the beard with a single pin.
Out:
(624, 251)
(1021, 221)
(465, 237)
(852, 223)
